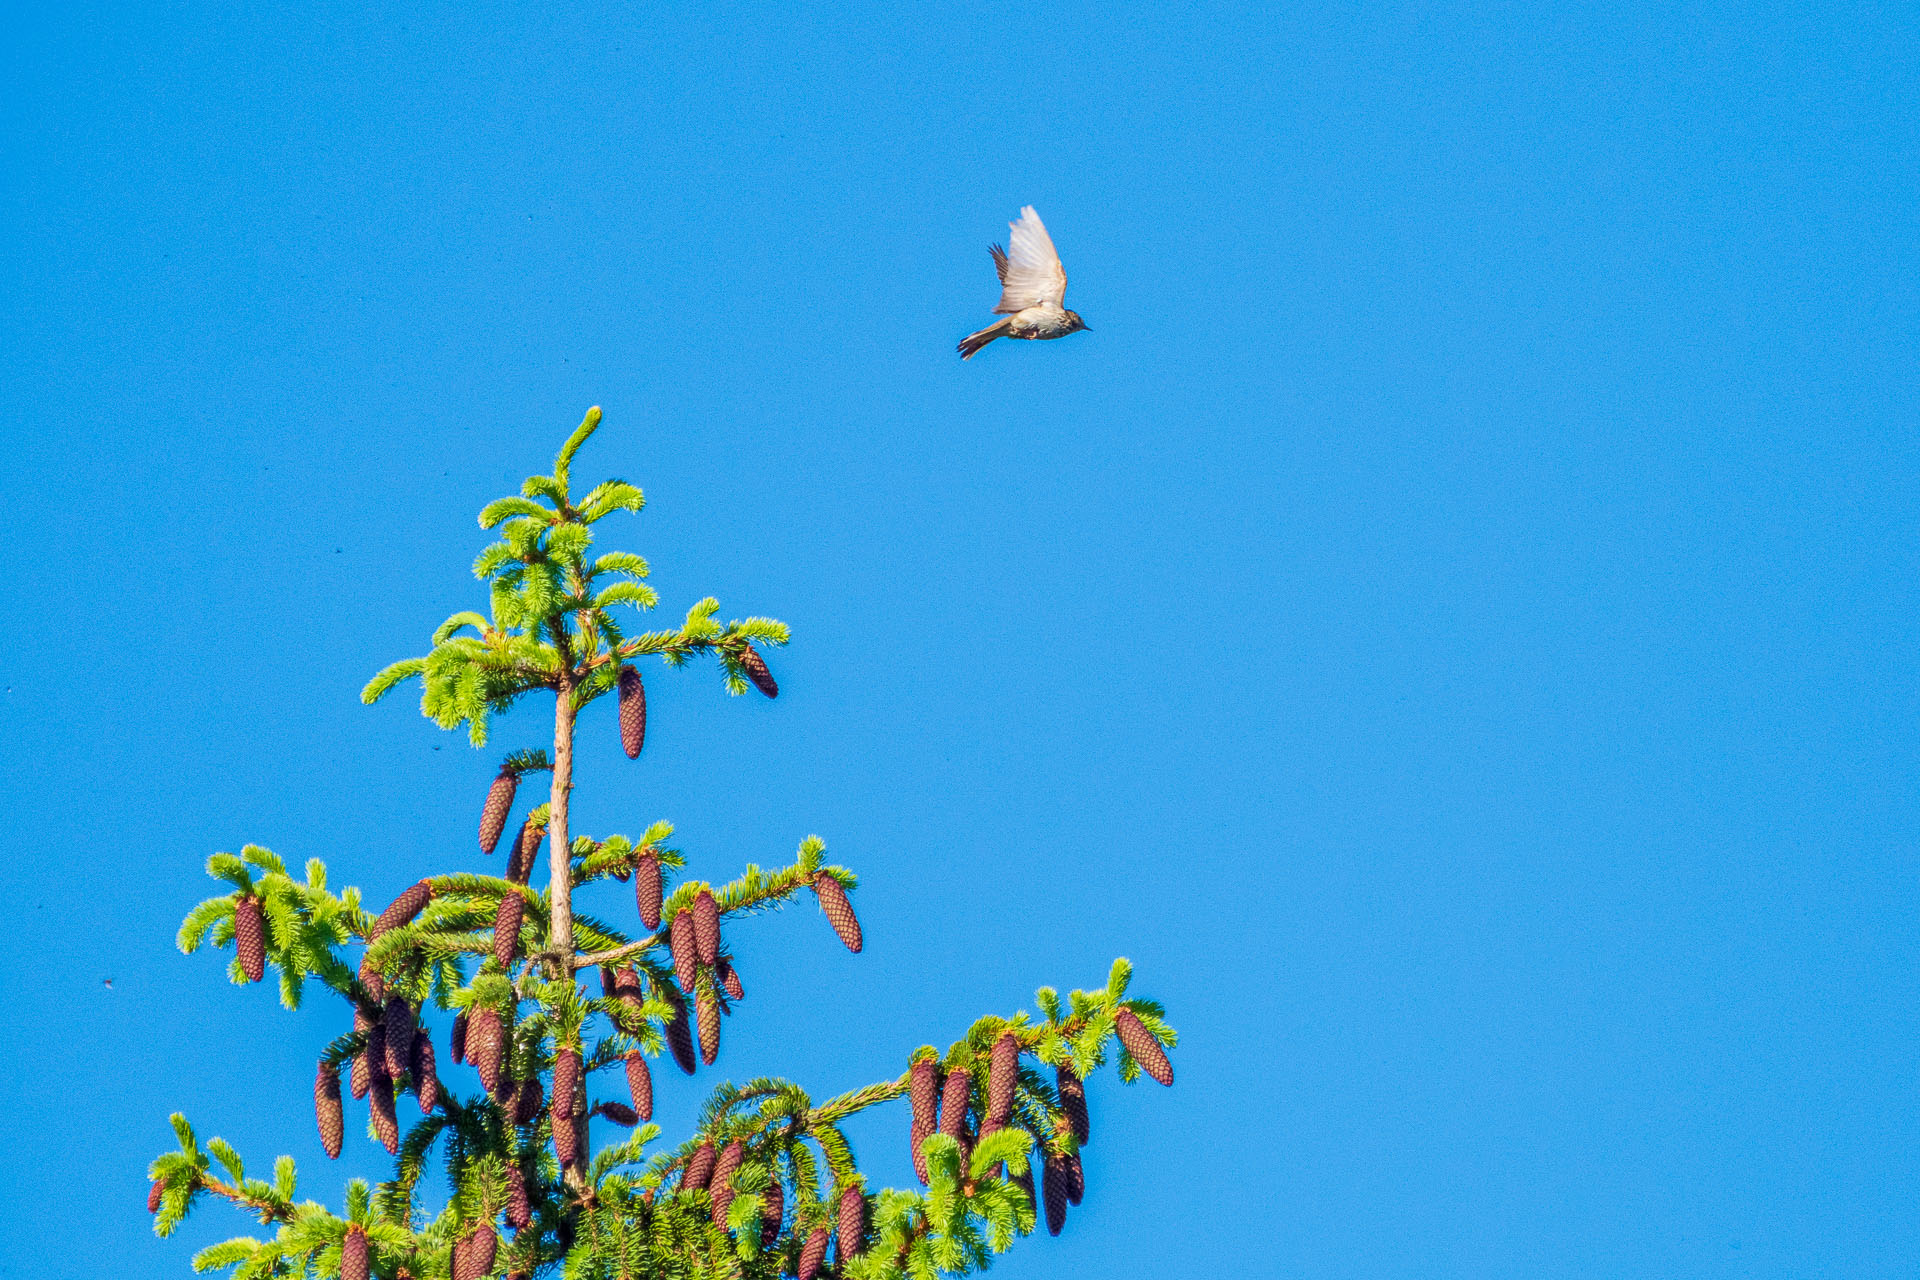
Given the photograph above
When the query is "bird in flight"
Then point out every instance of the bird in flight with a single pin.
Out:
(1033, 289)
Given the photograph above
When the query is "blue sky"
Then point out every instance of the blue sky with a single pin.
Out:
(1450, 623)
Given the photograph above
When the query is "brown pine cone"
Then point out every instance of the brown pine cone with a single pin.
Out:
(529, 1099)
(326, 1108)
(679, 1031)
(812, 1254)
(485, 1045)
(618, 1112)
(420, 1065)
(493, 814)
(917, 1133)
(633, 713)
(353, 1255)
(722, 1184)
(526, 848)
(681, 942)
(640, 1084)
(833, 900)
(706, 928)
(566, 1078)
(250, 936)
(1003, 1073)
(402, 910)
(362, 1025)
(506, 930)
(923, 1091)
(954, 1095)
(566, 1139)
(773, 1210)
(756, 668)
(707, 1012)
(699, 1168)
(380, 1101)
(457, 1041)
(159, 1189)
(481, 1249)
(1145, 1049)
(1073, 1100)
(519, 1211)
(730, 980)
(1053, 1190)
(607, 981)
(399, 1043)
(373, 1058)
(853, 1223)
(647, 889)
(372, 979)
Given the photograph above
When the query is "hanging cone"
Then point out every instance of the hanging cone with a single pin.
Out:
(362, 1025)
(457, 1042)
(375, 1054)
(1003, 1072)
(529, 1099)
(681, 942)
(707, 1013)
(833, 900)
(678, 1031)
(706, 928)
(756, 668)
(159, 1189)
(326, 1108)
(618, 1112)
(380, 1101)
(607, 987)
(566, 1139)
(699, 1168)
(853, 1223)
(250, 937)
(923, 1092)
(1053, 1190)
(459, 1268)
(566, 1078)
(626, 986)
(633, 713)
(526, 848)
(722, 1184)
(773, 1210)
(1145, 1049)
(485, 1047)
(640, 1084)
(353, 1255)
(493, 814)
(519, 1211)
(482, 1246)
(426, 1082)
(812, 1254)
(399, 1043)
(1073, 1100)
(1075, 1177)
(917, 1133)
(506, 930)
(730, 980)
(402, 910)
(647, 889)
(954, 1094)
(1024, 1181)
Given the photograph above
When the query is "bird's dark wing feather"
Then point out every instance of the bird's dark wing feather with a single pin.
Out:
(999, 261)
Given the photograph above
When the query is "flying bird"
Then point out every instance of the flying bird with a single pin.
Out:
(1033, 289)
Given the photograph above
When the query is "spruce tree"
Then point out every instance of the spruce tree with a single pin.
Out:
(538, 1189)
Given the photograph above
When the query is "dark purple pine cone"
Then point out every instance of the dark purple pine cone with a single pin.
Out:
(618, 1112)
(326, 1108)
(526, 848)
(730, 980)
(1024, 1181)
(640, 1085)
(493, 814)
(917, 1133)
(853, 1223)
(399, 1039)
(506, 930)
(1073, 1101)
(528, 1101)
(707, 1014)
(457, 1041)
(159, 1189)
(812, 1254)
(481, 1248)
(1145, 1049)
(371, 979)
(353, 1255)
(519, 1211)
(647, 889)
(1075, 1175)
(699, 1168)
(722, 1183)
(633, 713)
(1053, 1190)
(250, 936)
(566, 1078)
(426, 1081)
(374, 1056)
(566, 1139)
(954, 1094)
(402, 910)
(833, 900)
(484, 1045)
(607, 987)
(681, 941)
(756, 668)
(923, 1091)
(362, 1025)
(626, 986)
(773, 1209)
(1003, 1073)
(679, 1031)
(380, 1101)
(706, 928)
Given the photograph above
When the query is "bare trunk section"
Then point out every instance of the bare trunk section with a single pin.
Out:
(559, 846)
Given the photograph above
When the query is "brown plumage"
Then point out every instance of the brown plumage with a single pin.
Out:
(647, 889)
(1003, 1072)
(420, 1065)
(833, 900)
(812, 1254)
(640, 1084)
(681, 942)
(250, 937)
(326, 1108)
(1073, 1100)
(633, 713)
(706, 927)
(756, 669)
(1140, 1043)
(506, 930)
(353, 1255)
(493, 814)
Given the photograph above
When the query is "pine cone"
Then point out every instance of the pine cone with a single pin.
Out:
(722, 1184)
(1073, 1100)
(833, 900)
(399, 1029)
(1075, 1176)
(566, 1079)
(853, 1223)
(457, 1041)
(640, 1084)
(812, 1254)
(1053, 1190)
(954, 1095)
(707, 1012)
(402, 910)
(647, 889)
(380, 1101)
(917, 1133)
(681, 942)
(679, 1032)
(756, 668)
(353, 1255)
(506, 930)
(1145, 1049)
(420, 1065)
(485, 1047)
(608, 981)
(373, 981)
(250, 936)
(699, 1168)
(481, 1249)
(519, 1211)
(373, 1059)
(1003, 1073)
(566, 1140)
(706, 928)
(633, 713)
(618, 1112)
(362, 1025)
(159, 1189)
(493, 814)
(773, 1211)
(626, 987)
(326, 1108)
(459, 1268)
(1024, 1181)
(526, 848)
(923, 1091)
(529, 1099)
(730, 980)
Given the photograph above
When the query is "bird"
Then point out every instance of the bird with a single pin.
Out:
(1033, 289)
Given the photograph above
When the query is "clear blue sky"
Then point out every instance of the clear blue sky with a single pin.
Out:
(1451, 622)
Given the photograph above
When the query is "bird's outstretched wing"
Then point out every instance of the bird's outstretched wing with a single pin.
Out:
(1030, 273)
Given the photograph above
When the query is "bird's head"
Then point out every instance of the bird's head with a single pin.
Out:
(1074, 322)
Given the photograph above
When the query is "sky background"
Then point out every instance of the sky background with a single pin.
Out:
(1451, 622)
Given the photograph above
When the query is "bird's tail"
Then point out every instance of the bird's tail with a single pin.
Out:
(974, 341)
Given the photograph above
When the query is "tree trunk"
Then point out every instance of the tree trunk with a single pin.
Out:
(559, 846)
